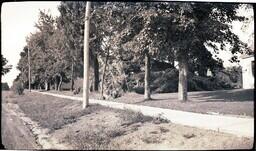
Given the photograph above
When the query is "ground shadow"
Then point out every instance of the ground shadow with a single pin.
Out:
(236, 95)
(151, 100)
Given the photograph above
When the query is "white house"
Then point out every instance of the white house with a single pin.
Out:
(247, 63)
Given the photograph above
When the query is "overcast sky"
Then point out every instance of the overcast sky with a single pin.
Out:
(18, 20)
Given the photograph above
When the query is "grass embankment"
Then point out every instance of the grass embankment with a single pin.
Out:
(52, 112)
(99, 127)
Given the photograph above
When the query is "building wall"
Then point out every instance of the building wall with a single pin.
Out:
(247, 73)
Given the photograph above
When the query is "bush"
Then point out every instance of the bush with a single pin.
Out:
(129, 117)
(5, 86)
(167, 81)
(18, 88)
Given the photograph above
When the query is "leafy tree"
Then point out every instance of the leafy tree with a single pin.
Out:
(71, 21)
(207, 29)
(175, 23)
(5, 68)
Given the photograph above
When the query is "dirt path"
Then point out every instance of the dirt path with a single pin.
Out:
(30, 134)
(15, 135)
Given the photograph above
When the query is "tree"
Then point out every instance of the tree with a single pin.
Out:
(72, 22)
(46, 26)
(207, 23)
(23, 66)
(176, 23)
(5, 68)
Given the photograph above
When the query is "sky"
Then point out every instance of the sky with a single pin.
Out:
(18, 20)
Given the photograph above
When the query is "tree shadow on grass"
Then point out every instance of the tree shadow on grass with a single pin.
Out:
(150, 100)
(236, 95)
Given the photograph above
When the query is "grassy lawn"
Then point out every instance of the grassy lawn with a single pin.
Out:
(238, 102)
(99, 127)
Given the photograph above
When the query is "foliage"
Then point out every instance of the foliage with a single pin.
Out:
(5, 68)
(129, 117)
(167, 81)
(120, 35)
(5, 86)
(17, 88)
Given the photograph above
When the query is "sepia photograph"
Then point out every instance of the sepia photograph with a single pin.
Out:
(124, 75)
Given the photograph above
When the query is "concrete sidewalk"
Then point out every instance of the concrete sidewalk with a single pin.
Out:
(232, 125)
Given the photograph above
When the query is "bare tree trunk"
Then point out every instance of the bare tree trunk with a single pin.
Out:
(202, 72)
(103, 75)
(96, 73)
(147, 77)
(46, 85)
(86, 55)
(183, 71)
(72, 77)
(60, 83)
(56, 83)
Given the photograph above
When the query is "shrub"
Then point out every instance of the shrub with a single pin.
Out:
(18, 88)
(130, 117)
(5, 86)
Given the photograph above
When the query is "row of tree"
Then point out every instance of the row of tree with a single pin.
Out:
(129, 32)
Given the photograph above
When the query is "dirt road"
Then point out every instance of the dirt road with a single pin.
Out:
(15, 135)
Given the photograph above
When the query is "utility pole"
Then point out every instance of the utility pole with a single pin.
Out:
(29, 82)
(86, 56)
(147, 77)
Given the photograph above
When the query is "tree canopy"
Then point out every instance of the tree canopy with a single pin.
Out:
(122, 33)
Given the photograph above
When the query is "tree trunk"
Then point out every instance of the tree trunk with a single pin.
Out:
(46, 85)
(147, 77)
(60, 83)
(29, 73)
(72, 77)
(56, 83)
(202, 72)
(183, 71)
(103, 74)
(96, 73)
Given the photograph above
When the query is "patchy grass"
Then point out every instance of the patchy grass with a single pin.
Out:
(160, 119)
(89, 139)
(129, 117)
(52, 112)
(189, 135)
(99, 127)
(151, 139)
(164, 130)
(98, 139)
